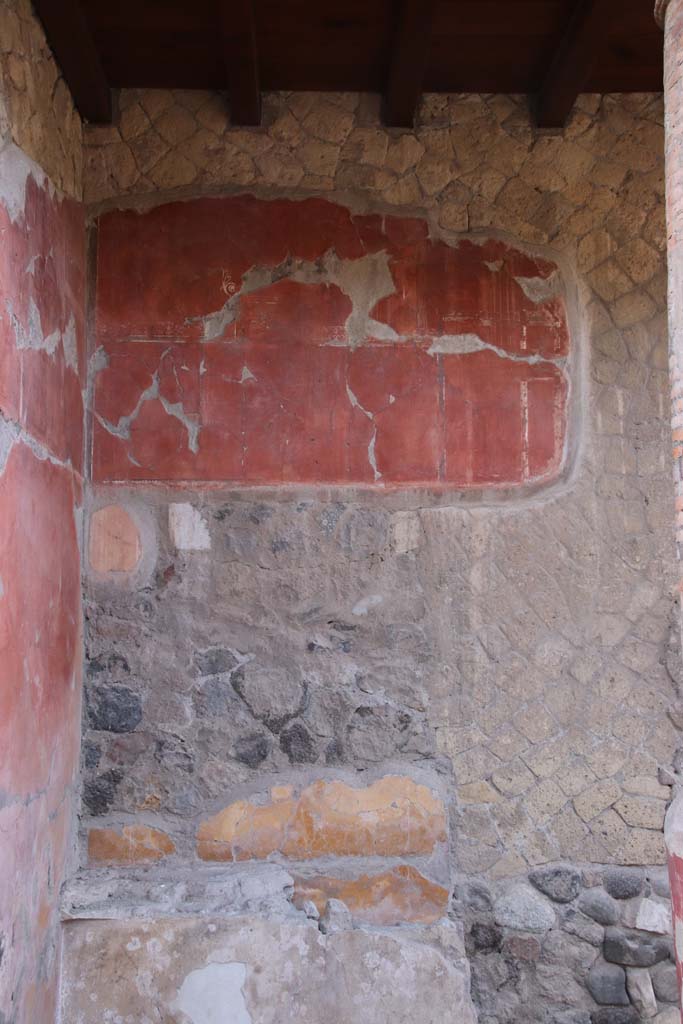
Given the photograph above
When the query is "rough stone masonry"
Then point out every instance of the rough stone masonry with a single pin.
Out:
(333, 690)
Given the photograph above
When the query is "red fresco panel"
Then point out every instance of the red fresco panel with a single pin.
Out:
(42, 335)
(296, 342)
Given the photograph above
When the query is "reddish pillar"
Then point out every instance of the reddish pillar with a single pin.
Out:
(673, 836)
(669, 14)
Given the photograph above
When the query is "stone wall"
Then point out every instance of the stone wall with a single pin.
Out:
(260, 659)
(36, 110)
(42, 372)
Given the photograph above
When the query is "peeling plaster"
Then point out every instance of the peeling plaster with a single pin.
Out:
(465, 344)
(15, 170)
(122, 428)
(11, 433)
(33, 338)
(363, 281)
(539, 289)
(372, 457)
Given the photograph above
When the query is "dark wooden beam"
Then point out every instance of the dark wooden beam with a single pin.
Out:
(409, 56)
(69, 39)
(241, 61)
(573, 61)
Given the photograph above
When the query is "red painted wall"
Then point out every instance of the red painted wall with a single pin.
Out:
(42, 361)
(271, 342)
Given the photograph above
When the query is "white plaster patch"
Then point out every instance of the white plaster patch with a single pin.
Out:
(188, 530)
(15, 169)
(363, 606)
(456, 344)
(539, 289)
(214, 995)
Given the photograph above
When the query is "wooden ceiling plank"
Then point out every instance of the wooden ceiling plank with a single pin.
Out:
(69, 39)
(573, 62)
(241, 61)
(409, 58)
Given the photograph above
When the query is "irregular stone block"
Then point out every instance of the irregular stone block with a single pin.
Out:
(650, 916)
(665, 982)
(596, 903)
(335, 918)
(639, 985)
(392, 817)
(583, 927)
(258, 972)
(113, 708)
(634, 949)
(615, 1015)
(402, 894)
(607, 984)
(132, 844)
(524, 909)
(623, 884)
(562, 884)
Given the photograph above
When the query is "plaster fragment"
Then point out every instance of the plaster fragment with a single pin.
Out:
(15, 170)
(539, 289)
(363, 606)
(188, 530)
(214, 995)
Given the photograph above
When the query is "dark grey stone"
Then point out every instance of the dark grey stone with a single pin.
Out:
(113, 708)
(335, 752)
(100, 791)
(623, 884)
(298, 744)
(475, 896)
(599, 905)
(91, 754)
(615, 1015)
(213, 698)
(172, 752)
(607, 984)
(484, 937)
(215, 661)
(664, 981)
(252, 750)
(561, 883)
(634, 949)
(111, 664)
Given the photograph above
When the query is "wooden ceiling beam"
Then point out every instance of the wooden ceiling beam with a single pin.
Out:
(572, 62)
(71, 43)
(241, 61)
(409, 56)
